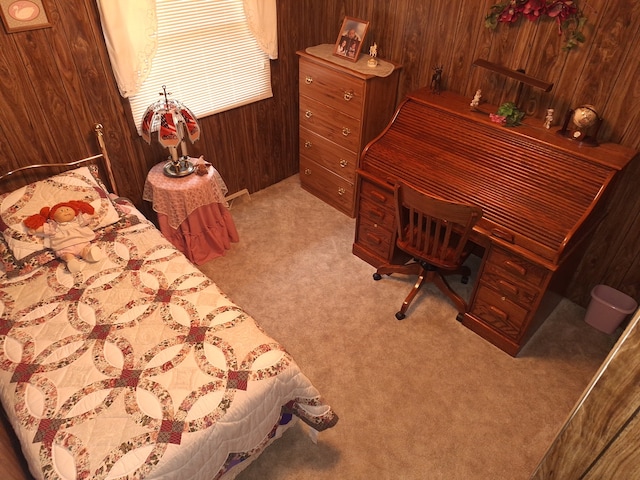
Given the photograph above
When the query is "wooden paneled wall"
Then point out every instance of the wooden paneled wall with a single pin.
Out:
(57, 82)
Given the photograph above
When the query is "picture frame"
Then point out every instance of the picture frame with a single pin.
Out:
(21, 15)
(351, 38)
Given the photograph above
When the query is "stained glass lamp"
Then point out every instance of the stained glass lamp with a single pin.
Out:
(174, 124)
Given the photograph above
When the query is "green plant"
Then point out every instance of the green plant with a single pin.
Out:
(511, 114)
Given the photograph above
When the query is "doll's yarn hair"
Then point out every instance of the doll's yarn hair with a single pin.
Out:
(37, 220)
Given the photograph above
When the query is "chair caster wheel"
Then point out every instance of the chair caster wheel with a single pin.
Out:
(464, 280)
(400, 316)
(377, 276)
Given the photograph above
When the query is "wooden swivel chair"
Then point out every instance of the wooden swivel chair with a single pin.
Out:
(435, 233)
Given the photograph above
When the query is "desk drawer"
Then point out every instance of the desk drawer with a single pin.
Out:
(375, 238)
(330, 124)
(379, 196)
(516, 267)
(377, 214)
(336, 89)
(519, 292)
(328, 186)
(328, 154)
(499, 312)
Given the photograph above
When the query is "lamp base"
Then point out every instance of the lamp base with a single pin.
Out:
(181, 168)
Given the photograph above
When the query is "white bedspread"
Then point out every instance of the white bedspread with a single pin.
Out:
(138, 366)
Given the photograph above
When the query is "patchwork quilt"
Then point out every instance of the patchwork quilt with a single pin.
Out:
(138, 366)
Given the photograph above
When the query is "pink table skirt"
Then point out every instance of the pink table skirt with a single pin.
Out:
(205, 234)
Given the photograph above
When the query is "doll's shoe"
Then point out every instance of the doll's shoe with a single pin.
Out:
(94, 254)
(74, 265)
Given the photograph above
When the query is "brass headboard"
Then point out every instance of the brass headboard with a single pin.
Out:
(21, 176)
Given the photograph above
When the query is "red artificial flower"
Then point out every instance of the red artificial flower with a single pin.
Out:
(511, 12)
(561, 10)
(566, 13)
(534, 9)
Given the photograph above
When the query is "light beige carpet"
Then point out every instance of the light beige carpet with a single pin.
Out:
(424, 398)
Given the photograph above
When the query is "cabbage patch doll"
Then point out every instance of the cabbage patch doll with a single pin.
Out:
(65, 229)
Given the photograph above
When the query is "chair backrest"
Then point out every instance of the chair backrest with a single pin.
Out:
(432, 229)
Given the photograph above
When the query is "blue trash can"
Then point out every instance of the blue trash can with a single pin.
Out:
(608, 308)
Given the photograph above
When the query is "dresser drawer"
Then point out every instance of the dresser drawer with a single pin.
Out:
(516, 267)
(333, 88)
(330, 123)
(499, 312)
(328, 154)
(327, 186)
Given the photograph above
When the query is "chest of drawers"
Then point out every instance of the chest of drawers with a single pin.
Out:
(341, 109)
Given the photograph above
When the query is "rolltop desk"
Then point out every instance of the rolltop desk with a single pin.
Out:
(542, 196)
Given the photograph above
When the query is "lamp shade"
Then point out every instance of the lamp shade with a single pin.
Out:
(174, 123)
(165, 117)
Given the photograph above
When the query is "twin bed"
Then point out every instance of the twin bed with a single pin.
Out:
(137, 366)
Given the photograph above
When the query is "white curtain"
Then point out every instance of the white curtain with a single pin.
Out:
(129, 28)
(263, 23)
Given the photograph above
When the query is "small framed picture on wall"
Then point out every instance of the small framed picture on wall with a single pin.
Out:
(351, 38)
(20, 15)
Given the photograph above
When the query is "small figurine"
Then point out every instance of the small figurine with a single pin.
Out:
(548, 120)
(476, 99)
(202, 168)
(436, 80)
(373, 53)
(65, 228)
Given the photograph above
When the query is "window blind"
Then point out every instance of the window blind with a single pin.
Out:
(206, 57)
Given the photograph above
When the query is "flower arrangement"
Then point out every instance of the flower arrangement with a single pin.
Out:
(508, 114)
(566, 13)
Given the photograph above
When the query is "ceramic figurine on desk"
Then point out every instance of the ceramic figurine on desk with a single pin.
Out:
(548, 120)
(436, 80)
(373, 53)
(476, 99)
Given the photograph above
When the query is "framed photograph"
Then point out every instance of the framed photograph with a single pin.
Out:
(351, 38)
(20, 15)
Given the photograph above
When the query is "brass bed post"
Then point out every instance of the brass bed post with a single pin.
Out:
(99, 130)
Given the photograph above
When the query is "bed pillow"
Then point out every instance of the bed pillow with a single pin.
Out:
(78, 184)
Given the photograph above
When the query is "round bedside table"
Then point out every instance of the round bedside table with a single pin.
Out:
(192, 212)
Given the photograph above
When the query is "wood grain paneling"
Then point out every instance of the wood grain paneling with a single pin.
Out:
(600, 438)
(57, 82)
(603, 72)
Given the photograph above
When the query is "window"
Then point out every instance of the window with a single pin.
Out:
(207, 58)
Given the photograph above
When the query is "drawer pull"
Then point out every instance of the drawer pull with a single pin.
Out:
(308, 80)
(514, 267)
(345, 131)
(373, 239)
(348, 95)
(307, 144)
(378, 196)
(496, 312)
(307, 171)
(308, 114)
(503, 235)
(343, 162)
(507, 288)
(341, 191)
(377, 213)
